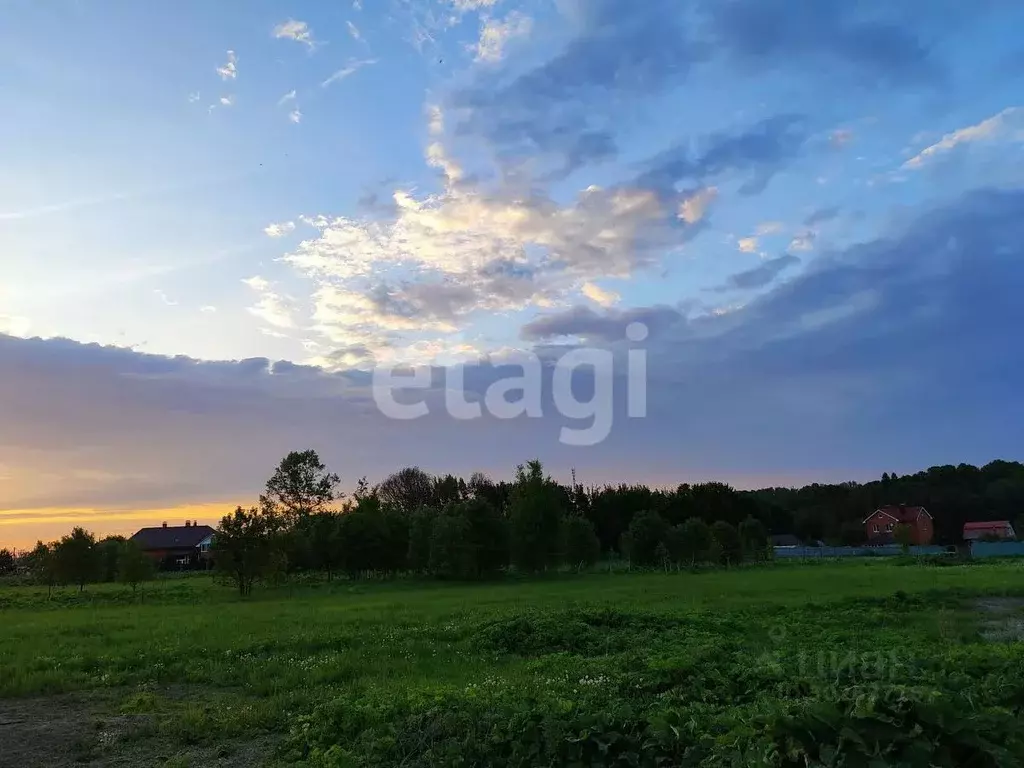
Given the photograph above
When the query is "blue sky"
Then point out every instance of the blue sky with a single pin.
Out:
(432, 181)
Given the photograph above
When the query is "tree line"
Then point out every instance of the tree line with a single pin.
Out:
(78, 559)
(449, 527)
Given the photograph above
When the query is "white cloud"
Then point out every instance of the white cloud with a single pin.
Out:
(193, 97)
(495, 35)
(208, 309)
(229, 70)
(298, 31)
(163, 297)
(747, 244)
(696, 205)
(279, 230)
(354, 31)
(599, 295)
(271, 307)
(295, 116)
(357, 5)
(472, 5)
(1005, 124)
(290, 96)
(350, 69)
(14, 326)
(227, 101)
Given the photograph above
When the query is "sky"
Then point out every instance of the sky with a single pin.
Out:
(217, 218)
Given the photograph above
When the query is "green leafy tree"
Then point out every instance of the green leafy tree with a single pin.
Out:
(365, 540)
(581, 545)
(300, 486)
(488, 536)
(754, 540)
(728, 544)
(42, 565)
(322, 535)
(134, 567)
(646, 532)
(535, 517)
(903, 535)
(661, 556)
(78, 559)
(247, 547)
(696, 540)
(407, 489)
(452, 552)
(109, 552)
(7, 562)
(421, 530)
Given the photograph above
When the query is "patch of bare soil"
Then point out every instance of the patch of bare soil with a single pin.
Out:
(85, 729)
(1003, 620)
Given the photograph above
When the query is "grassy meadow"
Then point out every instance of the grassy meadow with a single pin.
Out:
(855, 663)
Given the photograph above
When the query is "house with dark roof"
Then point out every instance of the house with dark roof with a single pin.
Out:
(177, 546)
(881, 524)
(989, 529)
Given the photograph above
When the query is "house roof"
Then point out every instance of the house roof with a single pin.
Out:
(987, 525)
(899, 513)
(172, 537)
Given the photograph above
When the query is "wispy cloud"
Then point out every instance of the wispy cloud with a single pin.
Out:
(271, 307)
(354, 31)
(227, 101)
(279, 229)
(298, 31)
(194, 97)
(290, 96)
(694, 207)
(496, 34)
(350, 69)
(747, 244)
(164, 298)
(295, 116)
(209, 309)
(1006, 123)
(229, 70)
(599, 295)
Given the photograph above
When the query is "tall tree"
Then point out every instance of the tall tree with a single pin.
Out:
(42, 565)
(646, 532)
(535, 517)
(109, 553)
(78, 559)
(407, 489)
(696, 539)
(300, 486)
(247, 547)
(727, 539)
(753, 539)
(7, 562)
(134, 567)
(452, 554)
(580, 544)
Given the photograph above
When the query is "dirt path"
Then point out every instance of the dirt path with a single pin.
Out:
(85, 729)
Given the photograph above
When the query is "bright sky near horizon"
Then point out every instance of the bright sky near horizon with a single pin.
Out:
(817, 209)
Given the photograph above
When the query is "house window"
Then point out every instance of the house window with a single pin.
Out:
(889, 527)
(874, 528)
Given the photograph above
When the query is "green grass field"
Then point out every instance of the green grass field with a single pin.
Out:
(791, 664)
